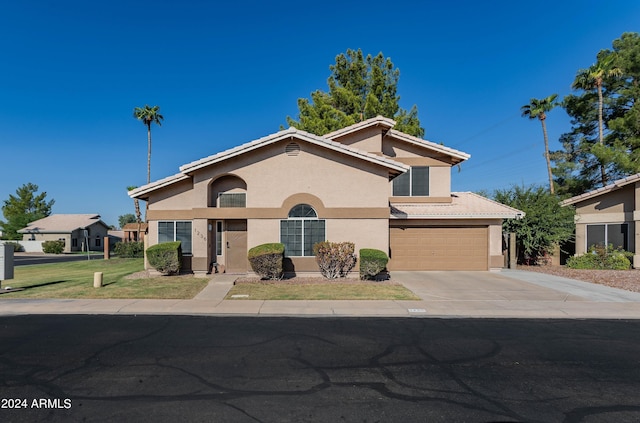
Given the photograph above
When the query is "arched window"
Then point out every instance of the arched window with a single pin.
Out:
(301, 231)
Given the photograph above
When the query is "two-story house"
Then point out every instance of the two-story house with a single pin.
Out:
(367, 183)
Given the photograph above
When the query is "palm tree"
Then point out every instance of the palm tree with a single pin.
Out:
(593, 77)
(148, 115)
(538, 109)
(136, 205)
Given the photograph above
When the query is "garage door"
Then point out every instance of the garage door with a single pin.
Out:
(430, 248)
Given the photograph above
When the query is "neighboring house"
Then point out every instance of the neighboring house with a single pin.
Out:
(131, 230)
(609, 215)
(69, 228)
(367, 183)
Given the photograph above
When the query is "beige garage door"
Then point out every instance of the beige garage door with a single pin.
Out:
(439, 248)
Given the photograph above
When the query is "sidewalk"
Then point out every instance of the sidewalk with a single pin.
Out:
(506, 294)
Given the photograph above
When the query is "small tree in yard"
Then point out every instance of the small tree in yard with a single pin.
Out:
(335, 259)
(545, 225)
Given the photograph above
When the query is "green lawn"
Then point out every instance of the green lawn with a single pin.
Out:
(320, 291)
(75, 280)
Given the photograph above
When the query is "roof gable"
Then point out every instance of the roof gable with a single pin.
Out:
(456, 155)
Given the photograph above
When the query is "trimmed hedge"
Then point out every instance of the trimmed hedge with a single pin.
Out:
(133, 249)
(166, 258)
(601, 258)
(372, 262)
(266, 260)
(53, 247)
(335, 259)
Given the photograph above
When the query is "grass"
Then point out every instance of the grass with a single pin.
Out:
(75, 280)
(321, 291)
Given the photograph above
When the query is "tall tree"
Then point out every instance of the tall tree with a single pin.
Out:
(148, 115)
(605, 119)
(136, 206)
(23, 208)
(538, 109)
(126, 218)
(593, 78)
(359, 88)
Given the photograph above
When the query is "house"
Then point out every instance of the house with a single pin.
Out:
(69, 228)
(367, 183)
(131, 231)
(609, 215)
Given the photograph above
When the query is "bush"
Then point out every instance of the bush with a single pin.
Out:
(166, 258)
(266, 260)
(335, 259)
(53, 247)
(129, 249)
(372, 262)
(600, 257)
(16, 246)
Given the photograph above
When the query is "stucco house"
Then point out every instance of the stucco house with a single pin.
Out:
(609, 215)
(69, 228)
(367, 183)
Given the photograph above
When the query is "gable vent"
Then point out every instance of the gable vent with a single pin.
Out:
(292, 149)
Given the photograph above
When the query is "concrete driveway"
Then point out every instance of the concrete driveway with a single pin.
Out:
(516, 293)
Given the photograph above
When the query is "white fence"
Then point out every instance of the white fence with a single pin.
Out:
(31, 246)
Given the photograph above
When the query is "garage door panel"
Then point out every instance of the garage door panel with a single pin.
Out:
(429, 248)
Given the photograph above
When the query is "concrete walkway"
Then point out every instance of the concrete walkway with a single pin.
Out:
(506, 294)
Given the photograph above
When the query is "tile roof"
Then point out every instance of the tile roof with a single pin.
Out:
(375, 121)
(608, 188)
(62, 223)
(463, 205)
(456, 154)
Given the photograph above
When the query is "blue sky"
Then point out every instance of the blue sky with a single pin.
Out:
(71, 73)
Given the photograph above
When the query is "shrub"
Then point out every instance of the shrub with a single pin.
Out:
(16, 246)
(335, 259)
(129, 249)
(372, 262)
(600, 257)
(166, 258)
(53, 247)
(266, 260)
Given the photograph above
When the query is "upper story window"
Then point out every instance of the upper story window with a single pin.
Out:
(232, 199)
(413, 183)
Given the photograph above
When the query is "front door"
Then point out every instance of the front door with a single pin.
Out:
(236, 246)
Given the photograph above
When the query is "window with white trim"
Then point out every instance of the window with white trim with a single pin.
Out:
(301, 230)
(219, 238)
(413, 183)
(616, 234)
(176, 230)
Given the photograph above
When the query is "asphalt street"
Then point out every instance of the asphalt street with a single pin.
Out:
(62, 368)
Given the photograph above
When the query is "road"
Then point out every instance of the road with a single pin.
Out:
(25, 259)
(247, 369)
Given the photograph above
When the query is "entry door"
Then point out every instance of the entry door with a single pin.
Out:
(236, 237)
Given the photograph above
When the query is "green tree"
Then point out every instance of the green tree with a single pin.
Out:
(126, 218)
(604, 141)
(24, 207)
(359, 88)
(593, 78)
(546, 224)
(148, 115)
(538, 109)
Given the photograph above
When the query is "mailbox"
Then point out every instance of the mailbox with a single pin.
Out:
(6, 262)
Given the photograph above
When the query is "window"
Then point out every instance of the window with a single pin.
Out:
(413, 183)
(74, 242)
(219, 238)
(170, 231)
(232, 199)
(616, 234)
(301, 231)
(98, 241)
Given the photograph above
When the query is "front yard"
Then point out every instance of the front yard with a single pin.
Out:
(75, 280)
